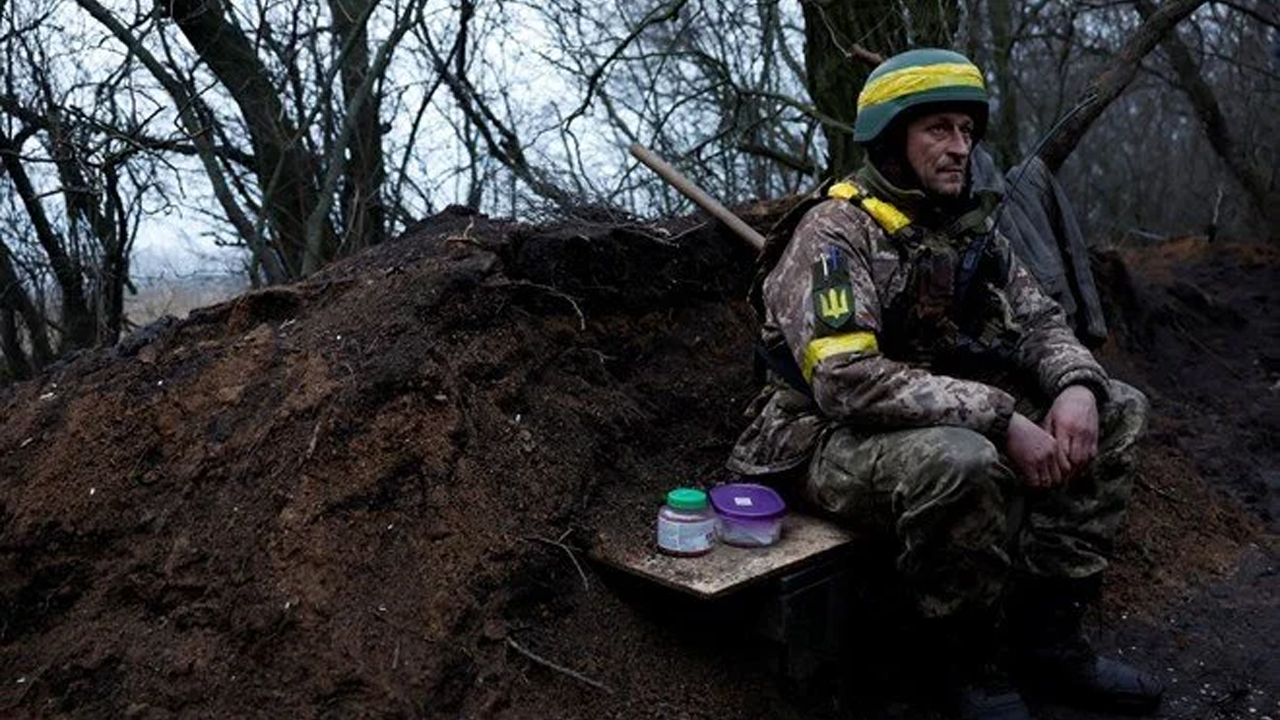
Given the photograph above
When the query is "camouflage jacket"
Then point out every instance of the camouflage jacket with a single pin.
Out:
(884, 339)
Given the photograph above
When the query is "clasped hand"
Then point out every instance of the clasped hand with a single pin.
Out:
(1058, 449)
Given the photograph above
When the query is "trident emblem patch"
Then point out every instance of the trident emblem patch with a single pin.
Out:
(832, 291)
(833, 305)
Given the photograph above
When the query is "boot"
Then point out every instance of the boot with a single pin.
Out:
(977, 688)
(1054, 659)
(990, 696)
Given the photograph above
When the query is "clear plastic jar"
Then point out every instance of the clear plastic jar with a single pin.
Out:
(686, 524)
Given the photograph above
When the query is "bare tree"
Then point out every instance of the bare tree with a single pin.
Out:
(1212, 118)
(286, 173)
(17, 309)
(718, 88)
(77, 323)
(1115, 78)
(1146, 167)
(313, 157)
(198, 124)
(365, 173)
(76, 170)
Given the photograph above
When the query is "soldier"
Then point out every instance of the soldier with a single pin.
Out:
(925, 388)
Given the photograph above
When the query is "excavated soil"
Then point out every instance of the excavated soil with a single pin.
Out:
(372, 494)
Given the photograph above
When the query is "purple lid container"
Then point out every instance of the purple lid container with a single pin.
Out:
(746, 501)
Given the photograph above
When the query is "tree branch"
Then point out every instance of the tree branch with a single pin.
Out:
(191, 113)
(1108, 85)
(508, 150)
(659, 15)
(1271, 22)
(75, 310)
(336, 157)
(1211, 118)
(792, 162)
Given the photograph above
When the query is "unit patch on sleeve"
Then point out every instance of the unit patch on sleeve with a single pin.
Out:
(832, 291)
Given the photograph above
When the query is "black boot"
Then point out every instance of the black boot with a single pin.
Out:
(977, 688)
(990, 696)
(1054, 660)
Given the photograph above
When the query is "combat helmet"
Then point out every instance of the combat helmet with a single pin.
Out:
(915, 78)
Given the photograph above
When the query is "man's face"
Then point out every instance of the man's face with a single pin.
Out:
(938, 148)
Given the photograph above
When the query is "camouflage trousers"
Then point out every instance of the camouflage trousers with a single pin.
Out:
(962, 520)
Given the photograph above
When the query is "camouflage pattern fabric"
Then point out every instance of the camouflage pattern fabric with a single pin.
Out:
(911, 376)
(913, 386)
(1069, 534)
(962, 520)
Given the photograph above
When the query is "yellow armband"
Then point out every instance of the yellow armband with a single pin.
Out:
(819, 349)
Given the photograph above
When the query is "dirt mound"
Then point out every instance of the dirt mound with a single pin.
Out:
(1199, 324)
(365, 495)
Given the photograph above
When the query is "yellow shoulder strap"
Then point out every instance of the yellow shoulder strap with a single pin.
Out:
(889, 217)
(844, 191)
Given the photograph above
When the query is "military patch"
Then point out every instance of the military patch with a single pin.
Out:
(832, 291)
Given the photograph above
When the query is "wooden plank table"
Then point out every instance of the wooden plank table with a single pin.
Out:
(805, 541)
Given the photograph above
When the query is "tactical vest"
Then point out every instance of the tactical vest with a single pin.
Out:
(951, 313)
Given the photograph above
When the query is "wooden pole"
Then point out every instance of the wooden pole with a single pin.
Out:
(700, 198)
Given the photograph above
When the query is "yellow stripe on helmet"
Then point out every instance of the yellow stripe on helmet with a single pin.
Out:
(858, 343)
(916, 79)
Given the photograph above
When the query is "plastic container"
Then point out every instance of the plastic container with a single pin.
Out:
(748, 515)
(686, 524)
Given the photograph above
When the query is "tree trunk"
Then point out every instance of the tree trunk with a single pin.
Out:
(114, 263)
(836, 33)
(14, 303)
(90, 208)
(1211, 118)
(286, 171)
(15, 359)
(1003, 134)
(1108, 85)
(78, 323)
(196, 119)
(362, 190)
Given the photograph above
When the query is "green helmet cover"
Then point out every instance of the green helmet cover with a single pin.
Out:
(920, 77)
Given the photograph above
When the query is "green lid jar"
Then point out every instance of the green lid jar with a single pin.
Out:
(686, 523)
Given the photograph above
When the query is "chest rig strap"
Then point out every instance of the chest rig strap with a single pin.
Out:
(943, 311)
(897, 224)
